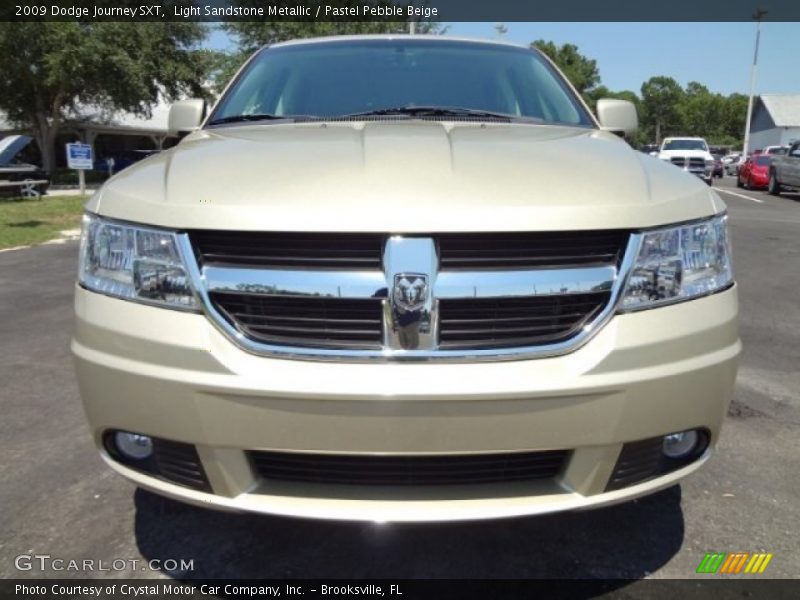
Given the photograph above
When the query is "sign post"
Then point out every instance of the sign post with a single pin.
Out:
(79, 157)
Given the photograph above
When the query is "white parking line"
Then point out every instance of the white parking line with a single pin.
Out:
(738, 195)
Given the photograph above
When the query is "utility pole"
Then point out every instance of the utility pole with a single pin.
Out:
(757, 16)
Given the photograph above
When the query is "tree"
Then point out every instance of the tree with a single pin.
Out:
(661, 98)
(580, 70)
(49, 70)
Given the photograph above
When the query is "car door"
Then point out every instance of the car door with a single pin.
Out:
(792, 162)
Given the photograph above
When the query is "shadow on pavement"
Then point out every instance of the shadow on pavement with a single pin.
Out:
(626, 541)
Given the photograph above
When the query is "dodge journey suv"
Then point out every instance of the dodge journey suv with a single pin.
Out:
(402, 278)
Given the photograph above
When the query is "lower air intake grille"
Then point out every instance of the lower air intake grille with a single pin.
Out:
(637, 462)
(510, 322)
(317, 322)
(179, 463)
(409, 470)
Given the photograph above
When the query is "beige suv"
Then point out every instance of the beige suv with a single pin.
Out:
(404, 279)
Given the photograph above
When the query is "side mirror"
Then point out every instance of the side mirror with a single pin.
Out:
(186, 115)
(618, 116)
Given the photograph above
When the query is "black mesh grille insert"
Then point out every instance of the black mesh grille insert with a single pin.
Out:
(176, 462)
(179, 463)
(644, 459)
(364, 251)
(531, 250)
(288, 250)
(511, 322)
(637, 462)
(409, 470)
(304, 321)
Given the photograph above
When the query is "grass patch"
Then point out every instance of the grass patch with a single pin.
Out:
(25, 221)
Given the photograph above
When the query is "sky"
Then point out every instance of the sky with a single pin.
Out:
(717, 55)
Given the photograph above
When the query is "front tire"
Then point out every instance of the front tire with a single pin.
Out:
(774, 187)
(739, 183)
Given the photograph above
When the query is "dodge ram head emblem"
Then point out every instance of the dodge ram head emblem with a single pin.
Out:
(410, 291)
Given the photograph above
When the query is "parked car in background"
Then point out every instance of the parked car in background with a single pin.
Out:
(774, 150)
(719, 169)
(754, 173)
(732, 162)
(784, 171)
(651, 149)
(690, 154)
(19, 178)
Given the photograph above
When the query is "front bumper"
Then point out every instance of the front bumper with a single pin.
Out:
(173, 375)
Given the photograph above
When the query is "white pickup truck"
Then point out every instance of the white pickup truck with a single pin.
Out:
(690, 154)
(784, 172)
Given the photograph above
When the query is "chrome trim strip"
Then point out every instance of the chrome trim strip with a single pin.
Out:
(279, 282)
(202, 279)
(527, 282)
(374, 284)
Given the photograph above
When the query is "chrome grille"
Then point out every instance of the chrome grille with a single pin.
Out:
(301, 321)
(513, 322)
(463, 296)
(694, 163)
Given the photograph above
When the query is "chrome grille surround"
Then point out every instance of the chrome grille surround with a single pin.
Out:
(412, 255)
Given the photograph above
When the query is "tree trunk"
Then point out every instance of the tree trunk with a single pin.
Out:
(45, 132)
(658, 131)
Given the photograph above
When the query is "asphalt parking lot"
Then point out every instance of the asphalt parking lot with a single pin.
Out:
(58, 498)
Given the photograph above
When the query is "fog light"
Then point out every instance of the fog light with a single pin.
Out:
(679, 445)
(133, 445)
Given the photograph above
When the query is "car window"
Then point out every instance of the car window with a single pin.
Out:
(347, 77)
(685, 145)
(795, 151)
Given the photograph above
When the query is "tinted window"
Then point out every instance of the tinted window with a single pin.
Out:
(685, 145)
(346, 77)
(761, 160)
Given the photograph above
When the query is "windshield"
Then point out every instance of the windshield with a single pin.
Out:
(685, 145)
(342, 78)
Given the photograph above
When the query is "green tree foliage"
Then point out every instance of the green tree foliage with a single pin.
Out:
(661, 116)
(580, 70)
(48, 70)
(664, 107)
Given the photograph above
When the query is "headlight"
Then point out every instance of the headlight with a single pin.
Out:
(133, 263)
(680, 263)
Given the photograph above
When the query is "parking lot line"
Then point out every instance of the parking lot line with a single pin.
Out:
(738, 195)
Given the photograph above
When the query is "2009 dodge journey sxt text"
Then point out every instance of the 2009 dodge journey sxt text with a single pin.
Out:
(404, 278)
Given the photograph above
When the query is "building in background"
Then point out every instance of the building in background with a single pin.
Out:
(123, 137)
(776, 120)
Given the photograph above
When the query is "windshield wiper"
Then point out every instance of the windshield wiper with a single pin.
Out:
(256, 117)
(438, 111)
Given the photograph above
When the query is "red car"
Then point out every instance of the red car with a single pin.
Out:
(754, 173)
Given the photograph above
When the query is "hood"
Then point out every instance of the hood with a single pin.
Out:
(12, 145)
(403, 177)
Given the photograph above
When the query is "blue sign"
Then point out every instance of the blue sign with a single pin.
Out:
(79, 156)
